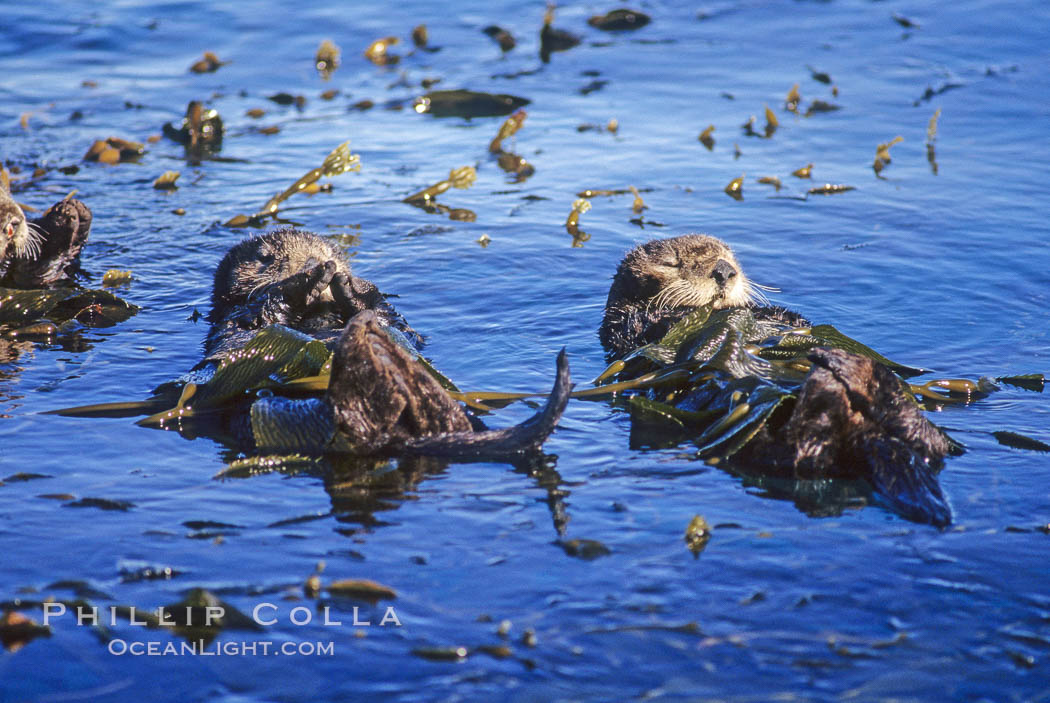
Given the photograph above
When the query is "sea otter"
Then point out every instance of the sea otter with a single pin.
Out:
(45, 252)
(294, 278)
(849, 416)
(380, 399)
(660, 282)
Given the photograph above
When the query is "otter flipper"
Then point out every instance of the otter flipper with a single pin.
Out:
(525, 437)
(854, 420)
(904, 482)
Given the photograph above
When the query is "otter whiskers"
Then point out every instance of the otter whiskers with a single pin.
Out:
(28, 246)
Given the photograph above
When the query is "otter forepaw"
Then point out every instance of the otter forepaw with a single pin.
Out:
(353, 295)
(306, 287)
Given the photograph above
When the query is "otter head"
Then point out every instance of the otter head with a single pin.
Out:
(264, 259)
(15, 233)
(687, 271)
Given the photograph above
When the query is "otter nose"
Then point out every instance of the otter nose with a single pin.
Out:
(723, 273)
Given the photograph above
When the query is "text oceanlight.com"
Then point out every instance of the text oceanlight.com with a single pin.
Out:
(197, 648)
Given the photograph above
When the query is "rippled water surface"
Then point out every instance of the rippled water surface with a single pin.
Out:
(945, 269)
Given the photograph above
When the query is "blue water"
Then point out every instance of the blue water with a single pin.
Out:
(947, 271)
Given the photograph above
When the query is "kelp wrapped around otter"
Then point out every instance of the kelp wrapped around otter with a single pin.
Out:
(289, 320)
(760, 387)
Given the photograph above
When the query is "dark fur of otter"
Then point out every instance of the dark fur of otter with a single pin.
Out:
(380, 399)
(852, 417)
(44, 252)
(294, 278)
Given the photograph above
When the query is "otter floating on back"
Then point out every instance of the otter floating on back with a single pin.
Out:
(848, 417)
(380, 399)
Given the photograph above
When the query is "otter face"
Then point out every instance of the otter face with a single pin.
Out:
(265, 259)
(15, 232)
(687, 271)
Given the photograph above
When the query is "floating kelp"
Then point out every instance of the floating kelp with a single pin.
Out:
(821, 106)
(339, 161)
(749, 127)
(882, 155)
(793, 99)
(35, 313)
(572, 222)
(735, 189)
(904, 21)
(804, 172)
(819, 76)
(552, 39)
(515, 165)
(596, 192)
(638, 205)
(706, 139)
(509, 127)
(209, 63)
(114, 150)
(771, 181)
(114, 277)
(461, 178)
(586, 549)
(467, 103)
(327, 59)
(283, 98)
(166, 180)
(931, 137)
(361, 589)
(501, 36)
(1032, 381)
(612, 126)
(944, 391)
(697, 534)
(771, 122)
(17, 630)
(201, 129)
(829, 189)
(420, 37)
(1020, 441)
(378, 51)
(619, 20)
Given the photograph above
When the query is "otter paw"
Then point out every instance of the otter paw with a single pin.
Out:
(354, 295)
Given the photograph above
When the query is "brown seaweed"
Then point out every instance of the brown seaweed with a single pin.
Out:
(339, 161)
(735, 189)
(378, 51)
(201, 129)
(804, 172)
(706, 139)
(882, 155)
(326, 59)
(552, 39)
(462, 178)
(793, 99)
(114, 150)
(467, 103)
(209, 63)
(619, 20)
(501, 36)
(509, 127)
